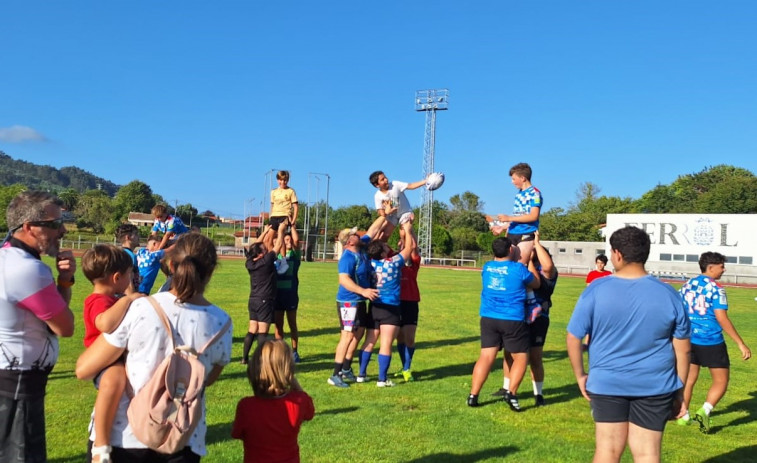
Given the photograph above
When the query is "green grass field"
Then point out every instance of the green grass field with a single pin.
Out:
(426, 420)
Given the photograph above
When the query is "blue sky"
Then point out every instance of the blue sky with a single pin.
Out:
(201, 99)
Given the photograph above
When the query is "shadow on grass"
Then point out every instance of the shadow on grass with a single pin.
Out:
(220, 432)
(738, 455)
(747, 405)
(76, 459)
(554, 355)
(481, 455)
(61, 374)
(443, 342)
(337, 411)
(526, 398)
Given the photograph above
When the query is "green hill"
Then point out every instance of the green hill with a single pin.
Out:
(49, 178)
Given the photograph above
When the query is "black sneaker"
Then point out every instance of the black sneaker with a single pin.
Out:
(501, 393)
(473, 400)
(539, 400)
(512, 400)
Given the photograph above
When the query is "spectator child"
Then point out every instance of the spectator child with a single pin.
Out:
(268, 422)
(600, 271)
(109, 269)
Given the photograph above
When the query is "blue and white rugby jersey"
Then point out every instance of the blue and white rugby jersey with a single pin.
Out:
(701, 297)
(525, 200)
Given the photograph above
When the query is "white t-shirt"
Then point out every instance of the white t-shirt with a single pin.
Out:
(143, 335)
(395, 194)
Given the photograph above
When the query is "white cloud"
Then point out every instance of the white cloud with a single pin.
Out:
(20, 134)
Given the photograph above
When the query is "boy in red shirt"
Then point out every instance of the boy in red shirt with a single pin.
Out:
(109, 269)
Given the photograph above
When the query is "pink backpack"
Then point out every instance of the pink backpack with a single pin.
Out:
(165, 412)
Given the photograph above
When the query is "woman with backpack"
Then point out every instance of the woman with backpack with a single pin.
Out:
(195, 322)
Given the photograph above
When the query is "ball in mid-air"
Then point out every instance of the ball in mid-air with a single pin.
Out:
(434, 180)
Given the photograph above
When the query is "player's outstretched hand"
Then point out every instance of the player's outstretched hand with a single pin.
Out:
(497, 230)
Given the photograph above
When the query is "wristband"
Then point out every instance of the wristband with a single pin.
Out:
(65, 284)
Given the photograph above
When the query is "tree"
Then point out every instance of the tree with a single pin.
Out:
(135, 196)
(348, 217)
(7, 193)
(467, 201)
(70, 197)
(441, 241)
(94, 210)
(186, 212)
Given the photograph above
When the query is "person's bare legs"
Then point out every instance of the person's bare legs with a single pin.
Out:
(720, 378)
(691, 381)
(525, 248)
(645, 444)
(278, 320)
(262, 332)
(610, 442)
(482, 368)
(517, 370)
(110, 389)
(293, 331)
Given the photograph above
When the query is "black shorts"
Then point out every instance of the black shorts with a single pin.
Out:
(710, 356)
(118, 454)
(384, 314)
(409, 312)
(353, 315)
(538, 331)
(516, 238)
(261, 310)
(287, 301)
(22, 428)
(274, 222)
(647, 412)
(504, 334)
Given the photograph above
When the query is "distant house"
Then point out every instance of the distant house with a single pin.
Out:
(141, 219)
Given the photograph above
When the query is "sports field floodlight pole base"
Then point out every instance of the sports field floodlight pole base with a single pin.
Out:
(428, 101)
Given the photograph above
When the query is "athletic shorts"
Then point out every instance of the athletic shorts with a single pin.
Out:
(384, 314)
(275, 221)
(409, 313)
(352, 315)
(710, 356)
(504, 334)
(538, 331)
(516, 238)
(647, 412)
(261, 310)
(407, 217)
(287, 301)
(22, 428)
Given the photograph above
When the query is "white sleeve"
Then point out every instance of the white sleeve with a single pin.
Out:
(399, 186)
(378, 200)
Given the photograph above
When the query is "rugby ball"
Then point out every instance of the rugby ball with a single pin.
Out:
(434, 181)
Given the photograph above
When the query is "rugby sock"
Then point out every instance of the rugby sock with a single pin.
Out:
(384, 361)
(538, 386)
(408, 358)
(402, 350)
(347, 364)
(506, 384)
(248, 339)
(708, 408)
(365, 357)
(337, 368)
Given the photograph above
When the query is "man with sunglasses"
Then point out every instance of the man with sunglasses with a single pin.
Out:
(34, 311)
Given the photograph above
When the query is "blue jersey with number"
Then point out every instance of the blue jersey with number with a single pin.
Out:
(702, 296)
(504, 290)
(525, 200)
(387, 273)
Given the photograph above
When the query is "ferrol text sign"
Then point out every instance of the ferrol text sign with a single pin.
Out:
(728, 234)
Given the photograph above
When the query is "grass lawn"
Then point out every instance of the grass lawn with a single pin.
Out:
(426, 420)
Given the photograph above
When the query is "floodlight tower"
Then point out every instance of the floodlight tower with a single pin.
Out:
(429, 101)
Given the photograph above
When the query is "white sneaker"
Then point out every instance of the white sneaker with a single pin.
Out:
(362, 379)
(387, 383)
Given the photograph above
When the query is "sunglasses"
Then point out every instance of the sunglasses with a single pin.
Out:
(54, 224)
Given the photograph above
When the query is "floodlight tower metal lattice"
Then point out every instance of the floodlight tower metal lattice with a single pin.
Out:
(429, 101)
